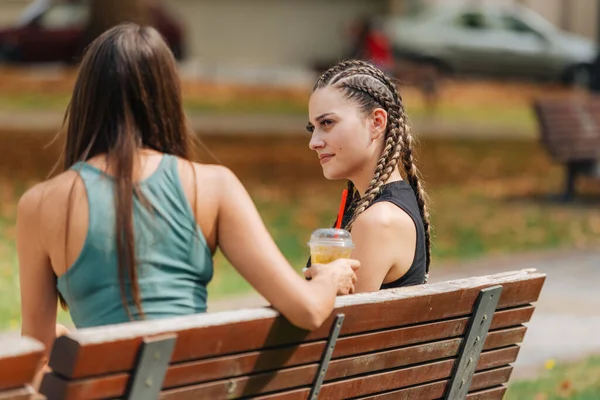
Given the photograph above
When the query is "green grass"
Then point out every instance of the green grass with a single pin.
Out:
(9, 280)
(572, 381)
(487, 199)
(10, 311)
(516, 116)
(33, 102)
(509, 116)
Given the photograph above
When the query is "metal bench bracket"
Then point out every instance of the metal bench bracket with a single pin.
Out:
(327, 353)
(151, 367)
(472, 344)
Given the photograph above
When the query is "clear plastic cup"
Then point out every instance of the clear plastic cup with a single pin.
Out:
(330, 244)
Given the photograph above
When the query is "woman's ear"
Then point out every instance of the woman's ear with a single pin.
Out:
(378, 122)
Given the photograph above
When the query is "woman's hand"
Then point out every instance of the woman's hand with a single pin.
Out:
(343, 269)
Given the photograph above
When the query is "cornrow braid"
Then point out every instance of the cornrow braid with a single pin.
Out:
(414, 180)
(371, 88)
(342, 66)
(391, 152)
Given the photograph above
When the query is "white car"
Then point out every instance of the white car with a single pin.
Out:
(491, 40)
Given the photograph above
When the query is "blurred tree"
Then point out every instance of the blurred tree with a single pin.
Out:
(566, 7)
(405, 7)
(105, 14)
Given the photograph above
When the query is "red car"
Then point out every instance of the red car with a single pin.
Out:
(53, 31)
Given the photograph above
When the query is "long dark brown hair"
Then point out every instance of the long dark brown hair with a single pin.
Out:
(127, 97)
(370, 88)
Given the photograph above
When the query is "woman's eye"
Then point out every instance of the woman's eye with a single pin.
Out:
(326, 123)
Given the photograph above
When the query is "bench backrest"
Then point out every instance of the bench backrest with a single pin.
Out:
(427, 340)
(570, 127)
(20, 357)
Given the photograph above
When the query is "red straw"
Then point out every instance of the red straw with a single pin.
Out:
(338, 223)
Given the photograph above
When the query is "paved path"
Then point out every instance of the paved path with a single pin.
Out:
(566, 323)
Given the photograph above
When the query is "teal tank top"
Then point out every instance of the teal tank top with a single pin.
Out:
(174, 262)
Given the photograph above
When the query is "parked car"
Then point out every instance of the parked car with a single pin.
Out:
(491, 40)
(54, 31)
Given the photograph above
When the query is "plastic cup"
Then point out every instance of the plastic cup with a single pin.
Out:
(330, 244)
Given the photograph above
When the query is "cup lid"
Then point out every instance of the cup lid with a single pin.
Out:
(332, 236)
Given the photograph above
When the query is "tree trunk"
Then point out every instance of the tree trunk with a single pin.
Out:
(105, 14)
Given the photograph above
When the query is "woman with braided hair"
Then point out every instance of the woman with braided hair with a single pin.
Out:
(360, 133)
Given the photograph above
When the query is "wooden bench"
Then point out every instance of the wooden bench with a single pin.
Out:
(424, 342)
(20, 357)
(570, 131)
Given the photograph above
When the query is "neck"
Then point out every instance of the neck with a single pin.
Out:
(362, 179)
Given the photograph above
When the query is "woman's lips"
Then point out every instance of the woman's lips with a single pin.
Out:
(323, 158)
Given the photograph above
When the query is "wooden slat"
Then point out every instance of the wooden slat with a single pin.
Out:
(566, 107)
(426, 391)
(114, 386)
(437, 389)
(576, 141)
(577, 129)
(495, 393)
(254, 362)
(23, 393)
(20, 357)
(97, 351)
(390, 380)
(430, 390)
(228, 367)
(573, 143)
(345, 388)
(570, 128)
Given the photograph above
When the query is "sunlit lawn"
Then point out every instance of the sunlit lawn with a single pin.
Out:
(573, 381)
(487, 198)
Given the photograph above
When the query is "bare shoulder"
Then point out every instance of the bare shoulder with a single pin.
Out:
(206, 176)
(30, 200)
(41, 204)
(384, 215)
(383, 219)
(214, 173)
(53, 190)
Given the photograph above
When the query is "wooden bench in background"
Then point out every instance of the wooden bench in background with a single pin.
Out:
(20, 357)
(424, 342)
(570, 131)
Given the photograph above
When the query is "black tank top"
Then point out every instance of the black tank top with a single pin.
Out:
(402, 195)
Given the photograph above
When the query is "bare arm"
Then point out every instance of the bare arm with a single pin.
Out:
(249, 247)
(38, 285)
(385, 240)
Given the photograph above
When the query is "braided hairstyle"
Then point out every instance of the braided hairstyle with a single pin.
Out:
(370, 88)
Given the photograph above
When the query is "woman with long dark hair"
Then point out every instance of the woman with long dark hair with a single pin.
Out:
(128, 230)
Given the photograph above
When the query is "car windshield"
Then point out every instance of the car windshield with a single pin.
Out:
(516, 25)
(38, 7)
(32, 11)
(472, 20)
(534, 20)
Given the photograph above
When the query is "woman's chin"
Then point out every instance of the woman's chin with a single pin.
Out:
(332, 175)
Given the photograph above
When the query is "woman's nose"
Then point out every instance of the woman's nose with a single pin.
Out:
(316, 142)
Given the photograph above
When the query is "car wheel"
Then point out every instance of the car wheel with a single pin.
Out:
(177, 50)
(9, 54)
(578, 76)
(3, 55)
